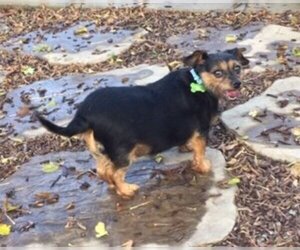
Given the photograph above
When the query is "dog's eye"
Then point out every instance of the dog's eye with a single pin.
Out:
(218, 73)
(237, 69)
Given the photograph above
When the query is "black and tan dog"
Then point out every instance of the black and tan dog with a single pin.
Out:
(120, 124)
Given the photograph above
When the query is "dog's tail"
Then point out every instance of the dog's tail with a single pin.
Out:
(76, 126)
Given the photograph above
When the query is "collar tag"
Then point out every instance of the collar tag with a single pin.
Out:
(198, 85)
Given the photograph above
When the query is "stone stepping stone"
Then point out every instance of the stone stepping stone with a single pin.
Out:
(261, 43)
(269, 122)
(81, 43)
(58, 98)
(265, 46)
(178, 207)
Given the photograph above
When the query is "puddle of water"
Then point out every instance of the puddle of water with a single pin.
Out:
(58, 98)
(212, 39)
(65, 39)
(276, 128)
(165, 211)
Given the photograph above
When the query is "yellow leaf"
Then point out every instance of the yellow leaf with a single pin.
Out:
(159, 158)
(4, 229)
(51, 104)
(296, 51)
(2, 92)
(27, 70)
(295, 169)
(42, 47)
(10, 207)
(296, 131)
(50, 167)
(81, 30)
(231, 38)
(100, 230)
(4, 160)
(234, 181)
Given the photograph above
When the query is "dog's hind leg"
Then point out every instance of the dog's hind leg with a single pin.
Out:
(105, 168)
(123, 160)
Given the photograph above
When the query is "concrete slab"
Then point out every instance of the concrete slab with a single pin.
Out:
(264, 46)
(82, 43)
(261, 43)
(174, 207)
(266, 122)
(59, 97)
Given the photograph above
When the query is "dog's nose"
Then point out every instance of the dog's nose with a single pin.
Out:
(237, 84)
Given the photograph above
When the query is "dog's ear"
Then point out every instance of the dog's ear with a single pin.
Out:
(238, 53)
(198, 57)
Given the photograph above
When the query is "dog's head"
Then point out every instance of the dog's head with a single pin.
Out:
(220, 72)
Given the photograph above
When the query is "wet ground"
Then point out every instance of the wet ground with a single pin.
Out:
(76, 200)
(83, 41)
(59, 98)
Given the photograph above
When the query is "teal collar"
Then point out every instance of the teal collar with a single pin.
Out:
(197, 85)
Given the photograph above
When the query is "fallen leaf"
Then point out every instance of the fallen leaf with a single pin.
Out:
(231, 39)
(51, 104)
(296, 131)
(85, 186)
(42, 47)
(158, 158)
(4, 229)
(100, 230)
(4, 160)
(70, 206)
(50, 167)
(2, 92)
(23, 111)
(234, 181)
(10, 208)
(128, 244)
(282, 103)
(295, 169)
(81, 31)
(18, 140)
(296, 51)
(44, 198)
(27, 70)
(257, 112)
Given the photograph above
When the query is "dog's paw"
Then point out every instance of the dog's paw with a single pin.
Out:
(203, 166)
(127, 191)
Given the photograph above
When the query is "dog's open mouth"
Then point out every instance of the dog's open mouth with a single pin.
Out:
(232, 94)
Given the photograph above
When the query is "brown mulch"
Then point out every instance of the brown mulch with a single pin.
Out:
(267, 197)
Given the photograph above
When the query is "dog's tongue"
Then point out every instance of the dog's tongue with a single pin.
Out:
(232, 93)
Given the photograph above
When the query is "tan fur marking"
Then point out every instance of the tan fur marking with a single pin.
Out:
(232, 63)
(216, 85)
(105, 169)
(138, 150)
(198, 144)
(91, 143)
(125, 190)
(223, 66)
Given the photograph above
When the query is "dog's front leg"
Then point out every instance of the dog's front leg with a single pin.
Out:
(200, 163)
